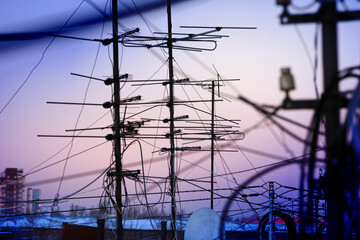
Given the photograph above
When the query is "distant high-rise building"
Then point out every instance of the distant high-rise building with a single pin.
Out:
(29, 205)
(12, 191)
(33, 204)
(36, 197)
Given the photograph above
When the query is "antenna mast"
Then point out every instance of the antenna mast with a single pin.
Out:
(171, 109)
(116, 106)
(212, 140)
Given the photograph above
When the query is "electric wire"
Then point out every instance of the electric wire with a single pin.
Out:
(41, 58)
(156, 133)
(148, 78)
(282, 142)
(147, 23)
(58, 152)
(81, 110)
(306, 49)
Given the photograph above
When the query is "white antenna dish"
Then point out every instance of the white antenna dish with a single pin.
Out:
(203, 224)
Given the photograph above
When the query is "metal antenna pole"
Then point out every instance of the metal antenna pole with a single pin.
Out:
(172, 140)
(212, 141)
(271, 212)
(117, 145)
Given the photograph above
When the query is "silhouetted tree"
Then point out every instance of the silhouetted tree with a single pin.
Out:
(98, 213)
(76, 210)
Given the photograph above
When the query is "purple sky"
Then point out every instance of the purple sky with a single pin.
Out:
(254, 56)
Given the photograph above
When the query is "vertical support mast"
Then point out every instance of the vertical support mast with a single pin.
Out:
(335, 188)
(271, 212)
(171, 109)
(212, 141)
(117, 145)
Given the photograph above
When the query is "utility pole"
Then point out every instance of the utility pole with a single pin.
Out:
(117, 136)
(172, 137)
(328, 16)
(335, 190)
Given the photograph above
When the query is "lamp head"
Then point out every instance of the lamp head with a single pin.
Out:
(286, 80)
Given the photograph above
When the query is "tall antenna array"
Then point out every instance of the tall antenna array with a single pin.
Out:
(123, 129)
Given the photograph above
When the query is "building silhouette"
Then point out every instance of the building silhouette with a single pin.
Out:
(15, 197)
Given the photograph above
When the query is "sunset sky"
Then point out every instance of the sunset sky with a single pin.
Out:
(253, 56)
